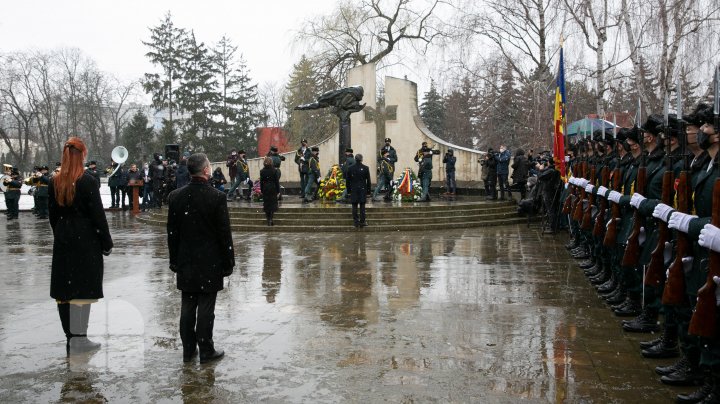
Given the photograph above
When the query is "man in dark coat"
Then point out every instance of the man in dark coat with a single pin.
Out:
(521, 168)
(201, 254)
(358, 185)
(92, 170)
(489, 163)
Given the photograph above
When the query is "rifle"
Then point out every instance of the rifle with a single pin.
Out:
(632, 250)
(655, 274)
(587, 215)
(611, 232)
(703, 319)
(578, 212)
(568, 205)
(674, 293)
(600, 219)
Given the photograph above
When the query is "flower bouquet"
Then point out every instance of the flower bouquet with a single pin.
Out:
(332, 187)
(256, 193)
(406, 187)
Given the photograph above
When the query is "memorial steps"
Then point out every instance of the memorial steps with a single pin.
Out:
(294, 217)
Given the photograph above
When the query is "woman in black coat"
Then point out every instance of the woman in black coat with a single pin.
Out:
(81, 239)
(270, 188)
(521, 168)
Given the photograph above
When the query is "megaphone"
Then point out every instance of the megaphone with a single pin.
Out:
(119, 155)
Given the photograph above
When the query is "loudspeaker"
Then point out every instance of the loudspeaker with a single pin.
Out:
(172, 152)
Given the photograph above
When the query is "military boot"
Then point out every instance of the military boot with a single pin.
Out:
(616, 297)
(699, 395)
(647, 321)
(666, 370)
(667, 348)
(608, 286)
(631, 307)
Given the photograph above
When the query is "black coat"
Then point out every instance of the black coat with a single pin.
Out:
(199, 237)
(270, 187)
(358, 182)
(521, 168)
(81, 235)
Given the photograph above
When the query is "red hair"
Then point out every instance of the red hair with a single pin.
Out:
(71, 169)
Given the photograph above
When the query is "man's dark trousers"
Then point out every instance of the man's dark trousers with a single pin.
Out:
(197, 317)
(355, 213)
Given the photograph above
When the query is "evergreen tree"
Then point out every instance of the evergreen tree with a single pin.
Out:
(461, 115)
(196, 95)
(166, 51)
(304, 86)
(432, 111)
(138, 138)
(509, 110)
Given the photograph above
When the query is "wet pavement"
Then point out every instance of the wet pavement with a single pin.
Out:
(479, 315)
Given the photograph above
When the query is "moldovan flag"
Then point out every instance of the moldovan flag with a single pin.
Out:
(559, 135)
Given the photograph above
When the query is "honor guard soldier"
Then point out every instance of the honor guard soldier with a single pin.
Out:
(12, 193)
(242, 177)
(392, 154)
(386, 170)
(41, 192)
(424, 159)
(302, 159)
(313, 174)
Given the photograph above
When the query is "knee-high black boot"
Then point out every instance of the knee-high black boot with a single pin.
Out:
(64, 312)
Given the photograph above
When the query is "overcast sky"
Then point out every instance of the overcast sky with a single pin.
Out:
(111, 32)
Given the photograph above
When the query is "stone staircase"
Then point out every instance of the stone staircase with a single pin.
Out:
(381, 216)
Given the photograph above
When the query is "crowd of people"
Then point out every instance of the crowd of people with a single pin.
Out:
(640, 210)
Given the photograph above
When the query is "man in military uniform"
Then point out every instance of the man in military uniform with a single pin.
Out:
(242, 177)
(41, 192)
(349, 162)
(392, 154)
(302, 158)
(12, 193)
(92, 170)
(386, 170)
(313, 175)
(424, 159)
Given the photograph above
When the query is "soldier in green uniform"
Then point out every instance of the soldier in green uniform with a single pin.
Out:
(12, 194)
(424, 159)
(313, 174)
(242, 176)
(41, 192)
(302, 157)
(386, 169)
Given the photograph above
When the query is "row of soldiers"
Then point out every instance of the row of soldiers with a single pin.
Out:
(38, 182)
(640, 203)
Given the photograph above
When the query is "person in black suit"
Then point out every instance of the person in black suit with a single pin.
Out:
(201, 254)
(358, 185)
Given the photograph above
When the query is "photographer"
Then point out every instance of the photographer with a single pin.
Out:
(520, 168)
(550, 188)
(503, 171)
(424, 159)
(449, 161)
(489, 164)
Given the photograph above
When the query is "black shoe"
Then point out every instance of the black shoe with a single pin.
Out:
(684, 376)
(357, 225)
(617, 297)
(666, 370)
(188, 357)
(645, 322)
(593, 270)
(82, 344)
(215, 355)
(549, 231)
(363, 224)
(650, 344)
(698, 395)
(665, 349)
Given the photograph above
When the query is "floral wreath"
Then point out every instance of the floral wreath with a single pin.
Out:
(256, 193)
(333, 186)
(406, 187)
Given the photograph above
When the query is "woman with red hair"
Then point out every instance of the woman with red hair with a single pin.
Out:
(82, 238)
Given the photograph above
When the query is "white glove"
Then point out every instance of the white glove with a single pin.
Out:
(571, 180)
(710, 237)
(582, 182)
(663, 212)
(642, 236)
(602, 191)
(589, 188)
(680, 221)
(636, 200)
(302, 158)
(615, 196)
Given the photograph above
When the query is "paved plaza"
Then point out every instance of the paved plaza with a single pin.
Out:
(488, 315)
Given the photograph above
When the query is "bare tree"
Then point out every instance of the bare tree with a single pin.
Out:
(271, 105)
(370, 31)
